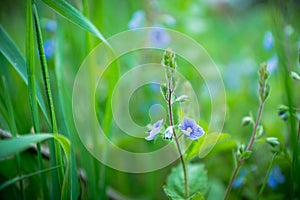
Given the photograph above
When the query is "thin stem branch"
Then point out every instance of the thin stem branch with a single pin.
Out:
(251, 142)
(176, 139)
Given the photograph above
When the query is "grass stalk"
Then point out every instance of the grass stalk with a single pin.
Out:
(32, 88)
(46, 79)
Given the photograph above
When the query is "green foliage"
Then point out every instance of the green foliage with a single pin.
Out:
(14, 145)
(204, 144)
(69, 12)
(197, 182)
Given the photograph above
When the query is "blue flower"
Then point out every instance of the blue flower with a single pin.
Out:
(49, 48)
(272, 63)
(137, 19)
(159, 36)
(51, 26)
(268, 42)
(239, 181)
(169, 133)
(190, 128)
(154, 131)
(275, 177)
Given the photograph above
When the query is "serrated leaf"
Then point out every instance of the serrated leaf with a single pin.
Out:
(204, 145)
(197, 182)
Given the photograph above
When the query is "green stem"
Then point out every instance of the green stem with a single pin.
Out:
(32, 88)
(176, 139)
(251, 142)
(267, 176)
(46, 79)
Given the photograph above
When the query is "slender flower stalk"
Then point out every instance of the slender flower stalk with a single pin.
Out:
(176, 139)
(263, 94)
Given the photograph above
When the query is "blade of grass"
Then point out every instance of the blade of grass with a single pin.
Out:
(17, 144)
(11, 52)
(285, 61)
(65, 109)
(32, 89)
(20, 178)
(69, 12)
(13, 129)
(267, 176)
(58, 156)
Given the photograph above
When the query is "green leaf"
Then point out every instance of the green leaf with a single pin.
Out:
(11, 52)
(246, 154)
(204, 145)
(259, 131)
(197, 182)
(19, 178)
(14, 145)
(69, 12)
(198, 196)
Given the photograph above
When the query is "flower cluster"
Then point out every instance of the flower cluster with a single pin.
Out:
(188, 127)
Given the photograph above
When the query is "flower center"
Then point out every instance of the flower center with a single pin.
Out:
(189, 130)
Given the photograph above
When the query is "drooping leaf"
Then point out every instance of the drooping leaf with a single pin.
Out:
(14, 145)
(72, 14)
(197, 182)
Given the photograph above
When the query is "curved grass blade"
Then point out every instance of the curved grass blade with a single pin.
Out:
(11, 52)
(14, 145)
(20, 178)
(69, 12)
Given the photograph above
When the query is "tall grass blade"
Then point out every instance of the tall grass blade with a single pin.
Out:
(46, 79)
(32, 88)
(11, 52)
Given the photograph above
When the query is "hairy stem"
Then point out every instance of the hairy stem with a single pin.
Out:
(176, 139)
(251, 142)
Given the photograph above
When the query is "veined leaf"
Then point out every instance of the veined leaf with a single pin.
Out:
(197, 182)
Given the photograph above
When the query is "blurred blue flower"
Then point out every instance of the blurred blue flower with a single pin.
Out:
(159, 36)
(272, 63)
(49, 48)
(137, 19)
(275, 177)
(153, 132)
(190, 128)
(268, 42)
(169, 133)
(51, 26)
(239, 181)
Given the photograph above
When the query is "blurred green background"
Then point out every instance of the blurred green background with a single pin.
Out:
(238, 35)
